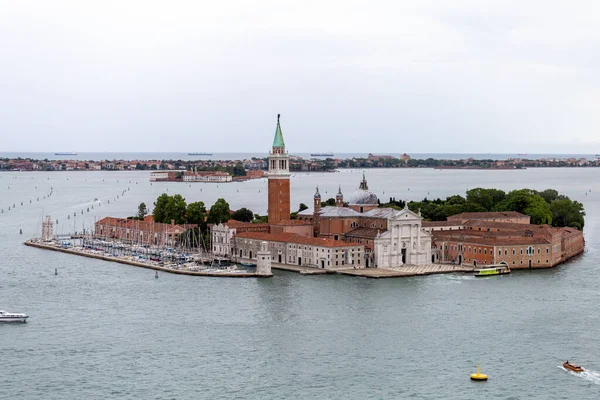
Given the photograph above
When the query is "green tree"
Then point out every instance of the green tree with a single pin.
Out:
(328, 202)
(486, 198)
(302, 207)
(160, 207)
(196, 213)
(239, 170)
(260, 219)
(566, 212)
(219, 212)
(142, 211)
(456, 199)
(549, 195)
(473, 207)
(175, 210)
(528, 202)
(539, 210)
(243, 214)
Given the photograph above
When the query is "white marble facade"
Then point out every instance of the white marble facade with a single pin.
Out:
(405, 242)
(221, 239)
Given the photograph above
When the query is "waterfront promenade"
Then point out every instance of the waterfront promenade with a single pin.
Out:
(376, 273)
(149, 265)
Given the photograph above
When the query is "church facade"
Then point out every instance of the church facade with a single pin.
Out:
(405, 242)
(391, 237)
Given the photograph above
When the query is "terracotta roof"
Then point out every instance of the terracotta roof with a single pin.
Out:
(296, 239)
(570, 232)
(288, 222)
(491, 214)
(233, 223)
(364, 232)
(426, 224)
(504, 225)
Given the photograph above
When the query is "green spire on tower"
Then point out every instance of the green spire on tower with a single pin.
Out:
(278, 140)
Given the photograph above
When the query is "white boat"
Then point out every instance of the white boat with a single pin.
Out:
(12, 317)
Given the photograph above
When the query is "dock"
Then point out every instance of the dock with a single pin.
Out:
(224, 274)
(377, 273)
(301, 269)
(406, 270)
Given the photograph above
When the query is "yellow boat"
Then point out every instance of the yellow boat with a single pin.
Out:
(498, 269)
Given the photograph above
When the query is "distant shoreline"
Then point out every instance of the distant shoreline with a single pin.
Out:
(236, 167)
(493, 168)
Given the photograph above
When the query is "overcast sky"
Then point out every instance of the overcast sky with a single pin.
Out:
(347, 76)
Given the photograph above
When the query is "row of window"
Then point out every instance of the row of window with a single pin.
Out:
(529, 250)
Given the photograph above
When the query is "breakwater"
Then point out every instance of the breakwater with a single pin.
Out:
(224, 274)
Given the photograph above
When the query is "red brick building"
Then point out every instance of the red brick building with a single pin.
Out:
(142, 232)
(496, 216)
(485, 242)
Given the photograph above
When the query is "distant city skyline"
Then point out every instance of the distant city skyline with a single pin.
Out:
(348, 77)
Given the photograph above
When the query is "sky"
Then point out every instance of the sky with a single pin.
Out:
(467, 76)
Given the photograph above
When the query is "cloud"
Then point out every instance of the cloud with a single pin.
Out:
(427, 76)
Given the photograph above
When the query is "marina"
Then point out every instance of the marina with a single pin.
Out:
(173, 262)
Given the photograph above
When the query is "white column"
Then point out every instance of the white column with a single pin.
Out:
(418, 242)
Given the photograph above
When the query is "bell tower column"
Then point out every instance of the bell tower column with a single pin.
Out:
(279, 179)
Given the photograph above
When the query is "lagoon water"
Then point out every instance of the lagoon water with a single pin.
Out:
(103, 330)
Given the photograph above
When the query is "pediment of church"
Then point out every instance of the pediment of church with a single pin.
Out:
(406, 215)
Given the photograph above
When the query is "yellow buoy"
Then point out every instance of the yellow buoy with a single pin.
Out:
(479, 376)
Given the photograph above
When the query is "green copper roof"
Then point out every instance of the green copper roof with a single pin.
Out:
(278, 140)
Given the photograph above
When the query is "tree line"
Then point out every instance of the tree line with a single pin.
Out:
(544, 207)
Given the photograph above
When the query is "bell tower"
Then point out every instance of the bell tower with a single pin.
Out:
(279, 179)
(339, 198)
(316, 211)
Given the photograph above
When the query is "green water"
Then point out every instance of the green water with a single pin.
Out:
(102, 330)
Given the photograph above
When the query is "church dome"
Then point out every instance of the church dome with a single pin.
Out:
(363, 195)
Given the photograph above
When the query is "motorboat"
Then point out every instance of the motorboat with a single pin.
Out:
(247, 264)
(498, 269)
(12, 317)
(572, 367)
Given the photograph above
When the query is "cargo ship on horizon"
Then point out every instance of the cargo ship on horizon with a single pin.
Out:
(65, 154)
(200, 154)
(321, 154)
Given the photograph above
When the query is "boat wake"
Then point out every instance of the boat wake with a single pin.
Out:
(587, 374)
(458, 277)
